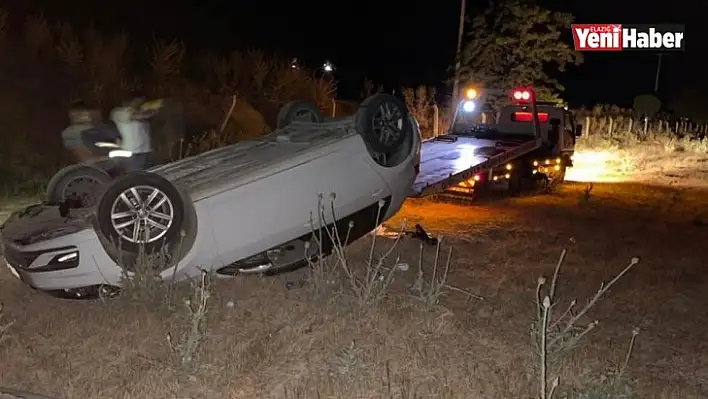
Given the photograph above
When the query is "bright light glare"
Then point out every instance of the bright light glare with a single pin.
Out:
(471, 94)
(466, 157)
(328, 67)
(469, 106)
(105, 144)
(594, 166)
(120, 154)
(522, 95)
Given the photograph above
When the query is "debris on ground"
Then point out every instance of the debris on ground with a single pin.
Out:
(418, 233)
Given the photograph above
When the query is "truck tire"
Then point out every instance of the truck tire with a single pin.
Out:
(141, 211)
(559, 176)
(83, 182)
(298, 111)
(384, 123)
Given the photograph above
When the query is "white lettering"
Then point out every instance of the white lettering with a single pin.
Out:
(582, 35)
(651, 39)
(629, 38)
(615, 37)
(654, 38)
(642, 40)
(668, 40)
(678, 37)
(602, 40)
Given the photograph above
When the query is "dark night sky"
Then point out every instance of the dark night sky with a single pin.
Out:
(394, 42)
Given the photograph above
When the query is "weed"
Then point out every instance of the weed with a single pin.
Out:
(141, 282)
(185, 349)
(585, 197)
(369, 287)
(553, 337)
(612, 383)
(322, 271)
(4, 326)
(349, 362)
(429, 292)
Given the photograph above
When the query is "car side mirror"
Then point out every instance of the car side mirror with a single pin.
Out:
(578, 130)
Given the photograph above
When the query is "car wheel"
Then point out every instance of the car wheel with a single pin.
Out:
(299, 111)
(141, 211)
(383, 122)
(83, 182)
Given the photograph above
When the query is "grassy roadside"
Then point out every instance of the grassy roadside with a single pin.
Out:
(295, 336)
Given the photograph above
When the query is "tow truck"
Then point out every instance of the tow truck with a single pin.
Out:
(527, 143)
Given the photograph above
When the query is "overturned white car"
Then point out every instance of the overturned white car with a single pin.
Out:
(248, 207)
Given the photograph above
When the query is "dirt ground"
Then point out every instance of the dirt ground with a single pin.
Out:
(292, 336)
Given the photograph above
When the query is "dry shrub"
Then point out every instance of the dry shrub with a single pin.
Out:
(558, 329)
(53, 64)
(421, 103)
(4, 326)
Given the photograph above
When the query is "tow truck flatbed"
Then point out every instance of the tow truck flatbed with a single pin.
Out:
(451, 159)
(521, 145)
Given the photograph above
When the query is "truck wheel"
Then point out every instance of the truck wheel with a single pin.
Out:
(82, 182)
(558, 177)
(141, 211)
(516, 184)
(298, 111)
(383, 121)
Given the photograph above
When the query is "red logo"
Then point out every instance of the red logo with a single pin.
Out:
(597, 37)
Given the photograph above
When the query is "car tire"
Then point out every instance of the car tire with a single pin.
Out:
(119, 205)
(381, 114)
(299, 111)
(96, 180)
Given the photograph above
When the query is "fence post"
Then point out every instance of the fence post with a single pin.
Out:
(631, 121)
(334, 108)
(609, 129)
(587, 126)
(436, 120)
(646, 125)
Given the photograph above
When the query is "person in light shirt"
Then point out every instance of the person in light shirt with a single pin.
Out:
(131, 119)
(85, 129)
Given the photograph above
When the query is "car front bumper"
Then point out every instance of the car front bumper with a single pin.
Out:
(71, 265)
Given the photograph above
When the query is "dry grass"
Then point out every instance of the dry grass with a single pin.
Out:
(655, 157)
(275, 338)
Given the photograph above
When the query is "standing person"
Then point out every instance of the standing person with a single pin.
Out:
(84, 130)
(134, 129)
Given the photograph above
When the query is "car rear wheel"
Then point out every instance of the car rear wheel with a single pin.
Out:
(387, 128)
(299, 111)
(83, 182)
(141, 212)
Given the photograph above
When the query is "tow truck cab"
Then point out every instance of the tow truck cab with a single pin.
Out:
(558, 128)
